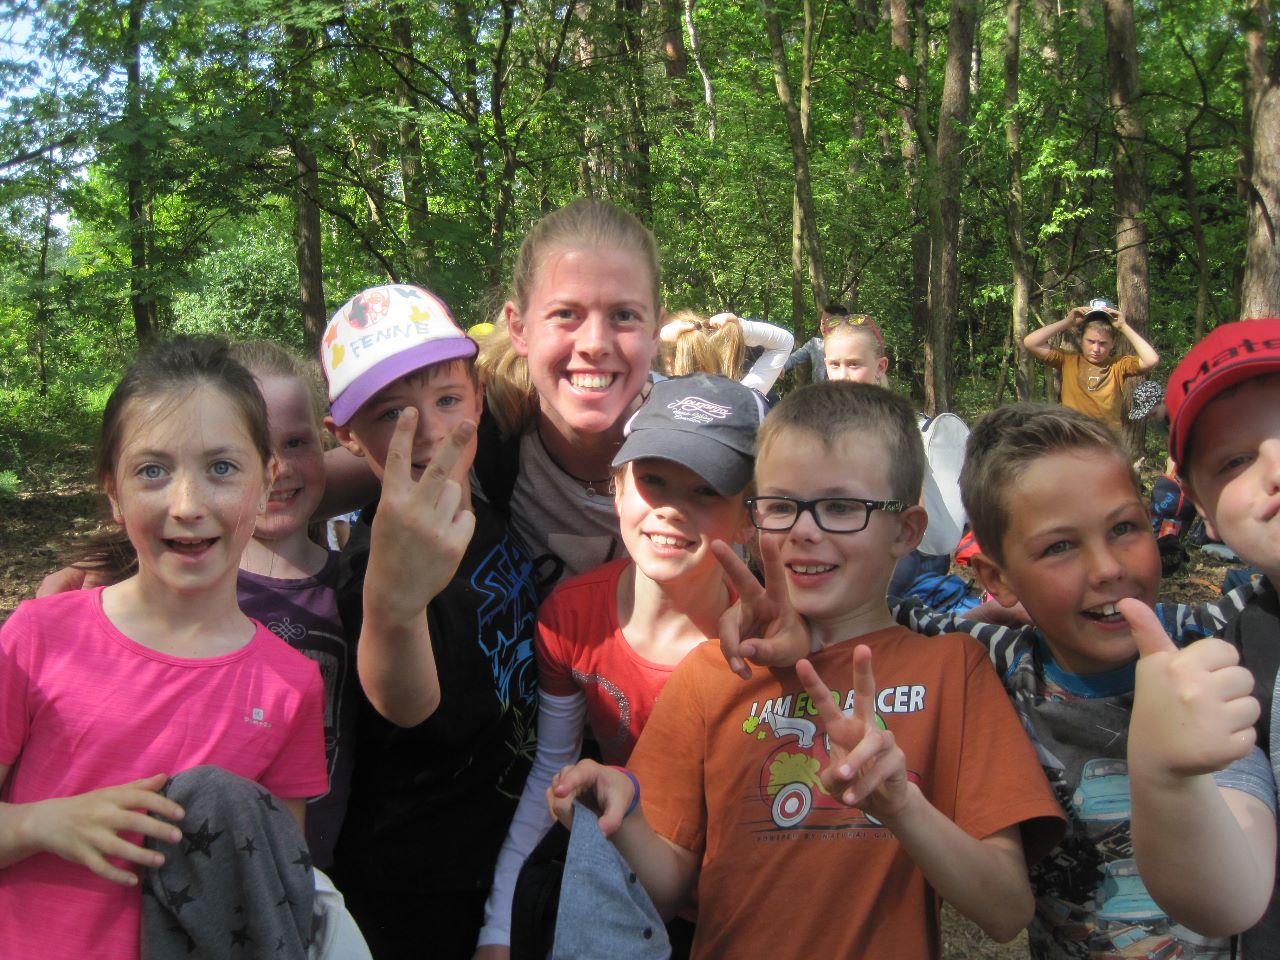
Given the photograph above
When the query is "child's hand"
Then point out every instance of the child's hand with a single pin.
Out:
(1076, 315)
(868, 769)
(722, 319)
(605, 790)
(672, 330)
(86, 828)
(762, 625)
(1193, 709)
(420, 531)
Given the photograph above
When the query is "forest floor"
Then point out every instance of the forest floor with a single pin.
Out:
(40, 523)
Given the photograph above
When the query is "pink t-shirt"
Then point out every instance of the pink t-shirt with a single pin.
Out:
(580, 646)
(84, 707)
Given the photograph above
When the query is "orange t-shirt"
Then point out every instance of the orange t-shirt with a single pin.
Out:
(729, 770)
(1094, 391)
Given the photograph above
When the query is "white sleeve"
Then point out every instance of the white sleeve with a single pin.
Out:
(777, 344)
(560, 724)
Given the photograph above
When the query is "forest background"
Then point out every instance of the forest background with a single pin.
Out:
(963, 170)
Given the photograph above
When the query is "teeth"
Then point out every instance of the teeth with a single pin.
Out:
(591, 381)
(664, 541)
(811, 568)
(282, 495)
(1105, 610)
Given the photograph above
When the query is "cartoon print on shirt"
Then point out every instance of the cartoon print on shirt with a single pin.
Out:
(790, 783)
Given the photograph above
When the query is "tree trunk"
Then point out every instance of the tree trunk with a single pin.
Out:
(409, 136)
(306, 221)
(141, 301)
(1024, 365)
(1260, 288)
(636, 162)
(944, 217)
(695, 47)
(1130, 175)
(799, 146)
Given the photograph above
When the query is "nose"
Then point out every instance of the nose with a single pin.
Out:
(594, 336)
(1269, 457)
(806, 525)
(431, 428)
(1104, 564)
(187, 501)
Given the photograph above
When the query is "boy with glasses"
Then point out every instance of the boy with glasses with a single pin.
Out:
(840, 817)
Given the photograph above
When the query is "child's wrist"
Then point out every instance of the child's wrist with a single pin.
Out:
(635, 786)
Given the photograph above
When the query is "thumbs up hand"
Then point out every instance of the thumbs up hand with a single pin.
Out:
(1193, 708)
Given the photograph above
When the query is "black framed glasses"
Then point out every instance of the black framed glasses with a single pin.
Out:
(832, 514)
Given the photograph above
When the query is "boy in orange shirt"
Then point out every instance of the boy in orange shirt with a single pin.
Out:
(840, 818)
(1093, 382)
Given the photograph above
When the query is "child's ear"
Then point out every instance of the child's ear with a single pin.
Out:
(1209, 527)
(992, 576)
(115, 504)
(882, 367)
(515, 328)
(344, 436)
(912, 523)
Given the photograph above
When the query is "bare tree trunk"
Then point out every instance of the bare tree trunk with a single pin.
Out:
(306, 222)
(1024, 369)
(1260, 288)
(41, 293)
(944, 217)
(799, 146)
(708, 95)
(418, 237)
(1130, 175)
(141, 301)
(673, 53)
(639, 173)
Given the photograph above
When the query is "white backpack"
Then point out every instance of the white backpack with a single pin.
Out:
(944, 440)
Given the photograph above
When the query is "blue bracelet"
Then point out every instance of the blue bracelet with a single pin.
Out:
(635, 797)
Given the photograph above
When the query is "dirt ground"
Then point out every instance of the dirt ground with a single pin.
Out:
(38, 525)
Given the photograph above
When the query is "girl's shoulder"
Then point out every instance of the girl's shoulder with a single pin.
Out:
(603, 579)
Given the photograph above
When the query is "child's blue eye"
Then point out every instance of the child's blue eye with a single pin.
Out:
(222, 468)
(1123, 527)
(447, 402)
(293, 443)
(1054, 549)
(151, 471)
(391, 415)
(1235, 463)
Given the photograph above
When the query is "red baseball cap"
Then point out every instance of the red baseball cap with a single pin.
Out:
(1230, 354)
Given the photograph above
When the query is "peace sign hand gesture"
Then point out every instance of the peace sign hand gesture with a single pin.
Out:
(868, 769)
(762, 625)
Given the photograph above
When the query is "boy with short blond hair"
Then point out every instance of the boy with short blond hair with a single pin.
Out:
(1057, 509)
(923, 786)
(1224, 409)
(1092, 379)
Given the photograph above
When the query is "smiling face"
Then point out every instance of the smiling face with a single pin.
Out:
(189, 485)
(1234, 470)
(444, 395)
(295, 439)
(835, 578)
(590, 332)
(853, 354)
(1096, 341)
(669, 515)
(1072, 549)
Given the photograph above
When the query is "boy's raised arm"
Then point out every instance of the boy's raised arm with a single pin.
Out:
(1147, 355)
(1205, 853)
(667, 871)
(984, 878)
(1037, 342)
(419, 536)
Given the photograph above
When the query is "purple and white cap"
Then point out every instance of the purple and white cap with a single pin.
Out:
(381, 334)
(705, 422)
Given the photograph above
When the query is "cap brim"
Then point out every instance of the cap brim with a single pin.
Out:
(726, 469)
(358, 393)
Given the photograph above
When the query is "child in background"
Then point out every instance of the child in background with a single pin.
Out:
(853, 347)
(1092, 381)
(105, 692)
(287, 581)
(609, 639)
(692, 343)
(1193, 712)
(924, 794)
(443, 605)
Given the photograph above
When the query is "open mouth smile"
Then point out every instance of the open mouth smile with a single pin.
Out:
(592, 381)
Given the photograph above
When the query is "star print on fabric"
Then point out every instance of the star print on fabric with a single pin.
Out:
(178, 928)
(284, 900)
(279, 944)
(248, 849)
(304, 859)
(177, 899)
(201, 840)
(240, 938)
(268, 800)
